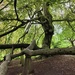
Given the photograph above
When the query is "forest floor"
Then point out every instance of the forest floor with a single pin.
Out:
(55, 65)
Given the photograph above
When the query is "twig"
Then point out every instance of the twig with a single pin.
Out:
(71, 26)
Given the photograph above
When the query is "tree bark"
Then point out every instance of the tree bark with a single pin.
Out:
(46, 22)
(8, 46)
(56, 51)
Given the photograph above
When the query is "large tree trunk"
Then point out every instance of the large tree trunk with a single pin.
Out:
(46, 22)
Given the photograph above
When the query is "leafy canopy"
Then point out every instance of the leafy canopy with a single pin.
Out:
(19, 24)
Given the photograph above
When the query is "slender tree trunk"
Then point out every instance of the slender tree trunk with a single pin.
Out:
(27, 68)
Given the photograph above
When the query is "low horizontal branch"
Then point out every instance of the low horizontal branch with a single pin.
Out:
(8, 46)
(56, 51)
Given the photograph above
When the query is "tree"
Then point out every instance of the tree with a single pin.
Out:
(49, 22)
(22, 21)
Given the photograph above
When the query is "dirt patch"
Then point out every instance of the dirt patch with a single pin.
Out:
(56, 65)
(14, 68)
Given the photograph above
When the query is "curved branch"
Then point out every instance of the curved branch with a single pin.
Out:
(15, 4)
(23, 23)
(17, 27)
(1, 1)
